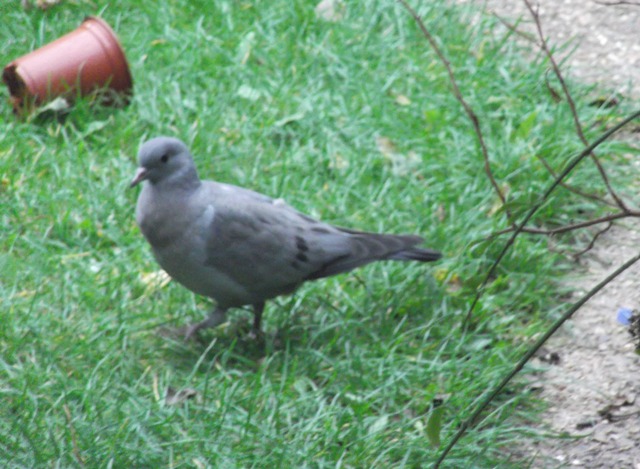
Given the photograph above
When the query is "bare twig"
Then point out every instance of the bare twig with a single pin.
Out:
(572, 164)
(557, 98)
(620, 2)
(573, 226)
(74, 436)
(575, 190)
(593, 240)
(527, 356)
(467, 109)
(514, 28)
(545, 48)
(554, 94)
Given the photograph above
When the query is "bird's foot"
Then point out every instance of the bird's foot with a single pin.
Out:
(186, 333)
(216, 318)
(191, 331)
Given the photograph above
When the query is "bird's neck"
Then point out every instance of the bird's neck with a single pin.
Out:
(185, 180)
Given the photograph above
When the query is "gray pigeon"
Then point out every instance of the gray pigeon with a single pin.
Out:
(239, 247)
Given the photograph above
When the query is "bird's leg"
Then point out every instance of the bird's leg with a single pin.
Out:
(256, 331)
(215, 318)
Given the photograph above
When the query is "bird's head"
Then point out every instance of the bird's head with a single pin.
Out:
(163, 159)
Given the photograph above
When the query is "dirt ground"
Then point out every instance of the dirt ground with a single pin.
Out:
(603, 38)
(593, 390)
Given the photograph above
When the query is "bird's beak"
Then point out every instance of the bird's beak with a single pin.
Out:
(141, 175)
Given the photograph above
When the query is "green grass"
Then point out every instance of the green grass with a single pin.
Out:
(271, 98)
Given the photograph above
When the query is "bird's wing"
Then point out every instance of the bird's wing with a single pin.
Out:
(264, 244)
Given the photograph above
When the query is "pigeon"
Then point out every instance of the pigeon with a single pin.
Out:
(240, 247)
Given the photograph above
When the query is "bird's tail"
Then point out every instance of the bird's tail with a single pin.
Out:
(378, 247)
(416, 254)
(371, 247)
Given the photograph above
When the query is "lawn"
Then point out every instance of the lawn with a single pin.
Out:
(352, 121)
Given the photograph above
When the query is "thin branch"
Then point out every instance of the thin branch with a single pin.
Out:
(593, 240)
(545, 48)
(620, 2)
(514, 28)
(573, 226)
(572, 164)
(577, 191)
(74, 439)
(554, 94)
(530, 353)
(458, 95)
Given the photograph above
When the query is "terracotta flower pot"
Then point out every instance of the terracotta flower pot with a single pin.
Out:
(82, 62)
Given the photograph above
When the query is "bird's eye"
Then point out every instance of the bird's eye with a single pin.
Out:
(164, 158)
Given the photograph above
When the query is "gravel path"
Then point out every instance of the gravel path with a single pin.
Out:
(593, 391)
(605, 37)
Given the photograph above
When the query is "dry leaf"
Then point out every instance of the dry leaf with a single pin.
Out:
(330, 10)
(58, 107)
(247, 92)
(378, 425)
(406, 164)
(154, 280)
(338, 162)
(402, 100)
(385, 146)
(245, 47)
(401, 164)
(25, 294)
(452, 280)
(173, 397)
(42, 4)
(156, 394)
(199, 464)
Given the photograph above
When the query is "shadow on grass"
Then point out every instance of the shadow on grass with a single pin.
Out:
(231, 347)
